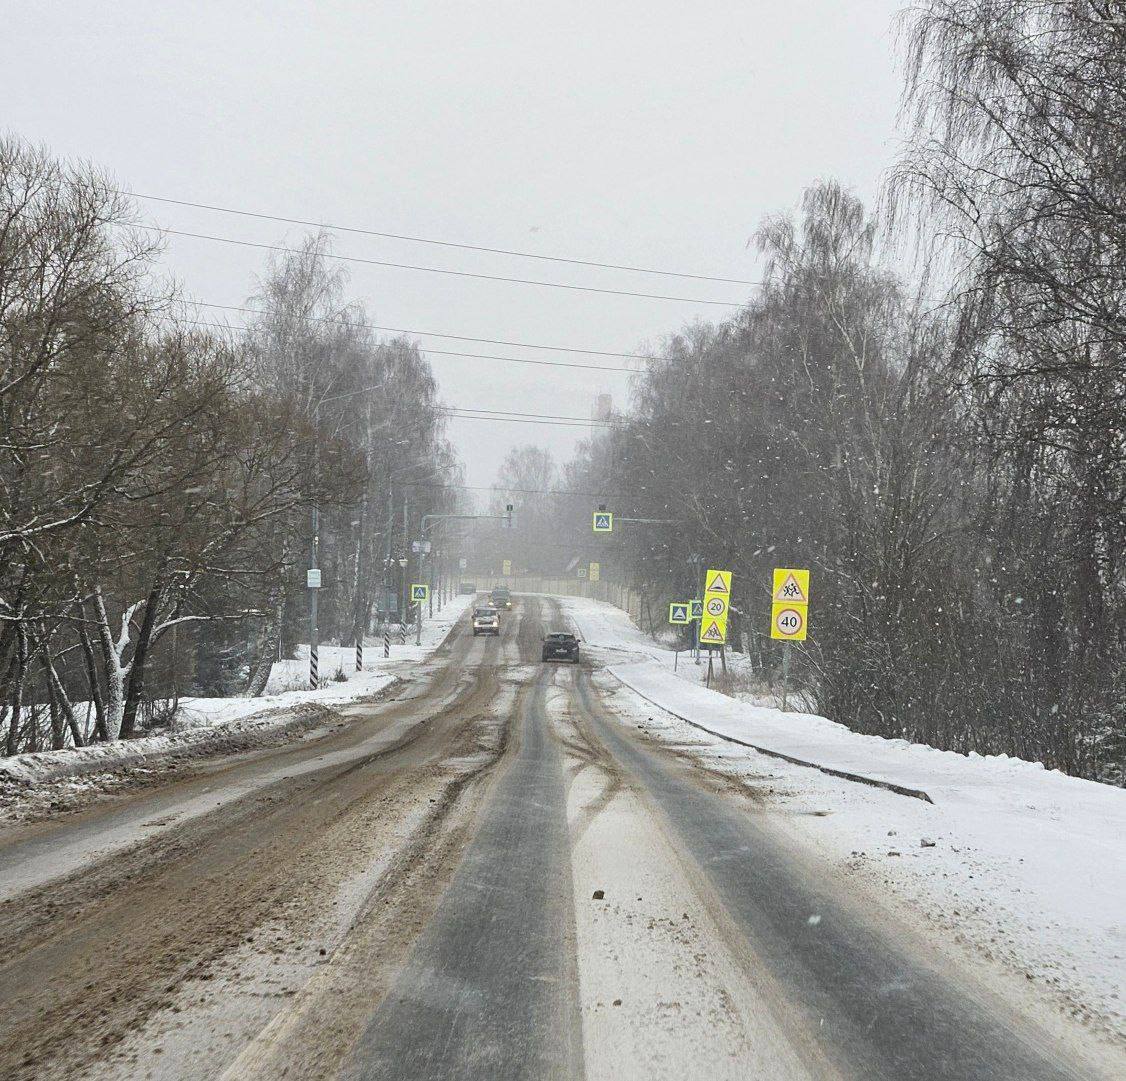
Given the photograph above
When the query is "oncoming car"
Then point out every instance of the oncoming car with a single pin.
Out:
(561, 644)
(501, 598)
(486, 621)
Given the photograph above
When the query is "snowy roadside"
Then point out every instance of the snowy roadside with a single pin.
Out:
(1024, 864)
(209, 725)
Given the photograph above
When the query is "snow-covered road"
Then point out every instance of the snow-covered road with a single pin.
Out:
(524, 870)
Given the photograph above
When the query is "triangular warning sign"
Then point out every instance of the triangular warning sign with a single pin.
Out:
(717, 584)
(791, 590)
(679, 611)
(712, 633)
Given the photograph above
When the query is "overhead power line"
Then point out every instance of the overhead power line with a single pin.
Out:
(440, 270)
(454, 353)
(545, 422)
(436, 334)
(500, 488)
(436, 243)
(535, 416)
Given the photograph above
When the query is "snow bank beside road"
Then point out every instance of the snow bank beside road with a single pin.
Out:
(1028, 865)
(222, 721)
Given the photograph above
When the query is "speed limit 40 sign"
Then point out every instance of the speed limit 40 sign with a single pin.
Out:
(787, 621)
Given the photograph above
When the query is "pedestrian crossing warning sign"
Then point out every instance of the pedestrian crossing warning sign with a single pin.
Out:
(678, 612)
(718, 582)
(791, 585)
(419, 592)
(603, 521)
(712, 633)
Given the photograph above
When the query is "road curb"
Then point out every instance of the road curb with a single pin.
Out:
(859, 778)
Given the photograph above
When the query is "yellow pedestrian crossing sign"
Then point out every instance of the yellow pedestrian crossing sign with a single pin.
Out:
(712, 632)
(791, 584)
(419, 592)
(718, 582)
(603, 521)
(678, 612)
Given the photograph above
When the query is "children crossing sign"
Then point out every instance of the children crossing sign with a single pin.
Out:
(603, 521)
(717, 601)
(419, 592)
(791, 584)
(712, 632)
(789, 609)
(678, 612)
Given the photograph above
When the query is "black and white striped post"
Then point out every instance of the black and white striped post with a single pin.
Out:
(359, 654)
(387, 638)
(313, 582)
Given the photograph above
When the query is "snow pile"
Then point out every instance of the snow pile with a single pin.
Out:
(1026, 864)
(203, 721)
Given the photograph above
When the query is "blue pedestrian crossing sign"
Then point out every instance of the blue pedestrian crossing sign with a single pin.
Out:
(419, 592)
(678, 612)
(696, 607)
(603, 521)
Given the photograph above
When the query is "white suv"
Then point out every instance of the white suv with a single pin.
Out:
(486, 621)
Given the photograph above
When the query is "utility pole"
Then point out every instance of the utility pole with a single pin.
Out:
(313, 575)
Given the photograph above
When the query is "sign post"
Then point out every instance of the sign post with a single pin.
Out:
(713, 619)
(313, 583)
(789, 615)
(419, 594)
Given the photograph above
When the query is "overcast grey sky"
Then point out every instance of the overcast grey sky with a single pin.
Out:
(645, 132)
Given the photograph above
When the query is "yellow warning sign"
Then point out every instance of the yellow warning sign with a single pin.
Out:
(718, 582)
(712, 632)
(791, 584)
(717, 600)
(788, 621)
(595, 572)
(506, 567)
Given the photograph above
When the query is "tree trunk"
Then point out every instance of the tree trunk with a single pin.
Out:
(136, 686)
(63, 704)
(268, 651)
(115, 673)
(94, 684)
(18, 671)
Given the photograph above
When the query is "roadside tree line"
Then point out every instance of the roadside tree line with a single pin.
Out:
(953, 470)
(157, 476)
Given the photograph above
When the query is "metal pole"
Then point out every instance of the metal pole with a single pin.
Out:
(314, 675)
(785, 673)
(387, 637)
(418, 618)
(359, 654)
